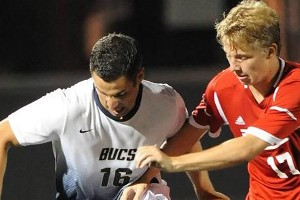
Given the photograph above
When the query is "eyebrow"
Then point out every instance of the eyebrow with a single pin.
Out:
(117, 94)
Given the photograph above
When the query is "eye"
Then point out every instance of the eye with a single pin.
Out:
(120, 95)
(242, 57)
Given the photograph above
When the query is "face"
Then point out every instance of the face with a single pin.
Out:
(117, 96)
(252, 67)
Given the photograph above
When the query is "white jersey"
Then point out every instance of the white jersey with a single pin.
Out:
(94, 151)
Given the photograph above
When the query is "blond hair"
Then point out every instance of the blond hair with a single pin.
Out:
(251, 24)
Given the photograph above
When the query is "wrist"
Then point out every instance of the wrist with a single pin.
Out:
(174, 164)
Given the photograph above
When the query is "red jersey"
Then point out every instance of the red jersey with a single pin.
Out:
(275, 173)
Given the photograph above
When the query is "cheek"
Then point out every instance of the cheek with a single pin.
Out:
(129, 101)
(254, 73)
(102, 98)
(250, 67)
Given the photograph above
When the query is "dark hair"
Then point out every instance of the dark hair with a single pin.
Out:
(116, 55)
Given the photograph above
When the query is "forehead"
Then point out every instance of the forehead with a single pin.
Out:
(229, 49)
(233, 50)
(112, 87)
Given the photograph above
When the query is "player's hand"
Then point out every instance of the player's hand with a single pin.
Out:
(134, 191)
(201, 110)
(204, 118)
(153, 156)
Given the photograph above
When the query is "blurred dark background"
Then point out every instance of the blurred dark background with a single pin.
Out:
(46, 44)
(57, 35)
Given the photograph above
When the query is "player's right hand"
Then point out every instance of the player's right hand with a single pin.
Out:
(154, 157)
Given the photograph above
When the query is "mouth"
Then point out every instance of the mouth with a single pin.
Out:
(242, 77)
(119, 112)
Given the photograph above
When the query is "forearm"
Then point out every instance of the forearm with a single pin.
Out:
(196, 161)
(7, 140)
(3, 162)
(200, 179)
(201, 182)
(229, 153)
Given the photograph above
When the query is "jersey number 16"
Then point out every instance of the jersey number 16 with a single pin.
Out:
(120, 177)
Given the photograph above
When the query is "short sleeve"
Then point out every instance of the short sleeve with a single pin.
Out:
(40, 121)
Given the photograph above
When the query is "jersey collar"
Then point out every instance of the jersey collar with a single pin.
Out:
(128, 115)
(281, 66)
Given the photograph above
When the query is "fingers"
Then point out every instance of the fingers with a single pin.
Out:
(145, 155)
(145, 160)
(134, 192)
(139, 193)
(127, 194)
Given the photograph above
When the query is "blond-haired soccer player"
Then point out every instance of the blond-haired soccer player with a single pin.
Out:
(258, 97)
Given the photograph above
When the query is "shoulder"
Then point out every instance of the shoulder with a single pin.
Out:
(291, 75)
(82, 86)
(289, 84)
(76, 95)
(163, 93)
(291, 72)
(80, 90)
(159, 88)
(224, 80)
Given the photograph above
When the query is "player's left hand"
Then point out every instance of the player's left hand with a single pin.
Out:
(153, 156)
(134, 191)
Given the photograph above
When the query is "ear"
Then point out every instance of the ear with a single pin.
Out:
(140, 75)
(272, 51)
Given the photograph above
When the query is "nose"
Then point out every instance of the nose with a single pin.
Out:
(234, 65)
(111, 103)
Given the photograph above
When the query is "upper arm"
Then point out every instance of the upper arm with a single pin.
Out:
(182, 113)
(197, 147)
(7, 138)
(184, 140)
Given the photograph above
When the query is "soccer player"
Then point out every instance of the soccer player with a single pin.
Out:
(258, 97)
(96, 125)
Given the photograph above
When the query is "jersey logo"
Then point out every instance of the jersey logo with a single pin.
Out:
(239, 121)
(84, 131)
